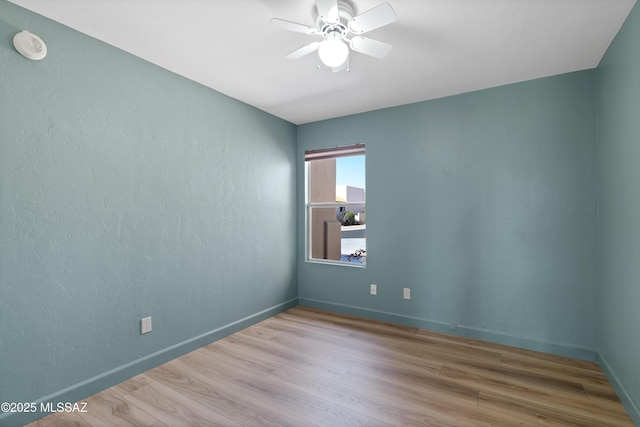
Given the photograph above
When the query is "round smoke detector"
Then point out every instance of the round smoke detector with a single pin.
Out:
(29, 45)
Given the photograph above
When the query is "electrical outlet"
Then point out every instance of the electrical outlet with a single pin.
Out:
(406, 293)
(145, 325)
(374, 289)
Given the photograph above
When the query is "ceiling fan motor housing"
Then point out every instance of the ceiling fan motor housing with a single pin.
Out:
(346, 11)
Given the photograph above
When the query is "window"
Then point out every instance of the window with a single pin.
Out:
(336, 205)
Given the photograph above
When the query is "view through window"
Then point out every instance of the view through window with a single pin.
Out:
(336, 204)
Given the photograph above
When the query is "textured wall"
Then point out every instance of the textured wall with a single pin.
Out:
(127, 191)
(484, 204)
(619, 178)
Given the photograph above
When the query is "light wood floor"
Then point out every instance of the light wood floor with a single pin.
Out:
(307, 367)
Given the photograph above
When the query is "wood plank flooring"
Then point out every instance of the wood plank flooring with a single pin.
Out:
(308, 367)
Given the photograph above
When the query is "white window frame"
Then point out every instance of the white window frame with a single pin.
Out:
(328, 153)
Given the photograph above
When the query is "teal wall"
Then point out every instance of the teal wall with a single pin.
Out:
(127, 191)
(619, 201)
(484, 204)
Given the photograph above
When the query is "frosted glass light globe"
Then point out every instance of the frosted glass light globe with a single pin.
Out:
(333, 52)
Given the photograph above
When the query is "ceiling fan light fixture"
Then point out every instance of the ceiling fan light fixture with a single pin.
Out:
(341, 31)
(333, 52)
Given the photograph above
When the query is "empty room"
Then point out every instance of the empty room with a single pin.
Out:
(319, 212)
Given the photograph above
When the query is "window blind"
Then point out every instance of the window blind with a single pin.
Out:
(335, 152)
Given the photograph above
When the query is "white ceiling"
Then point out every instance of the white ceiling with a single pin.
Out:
(440, 47)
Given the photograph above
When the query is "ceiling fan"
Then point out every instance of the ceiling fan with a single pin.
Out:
(340, 28)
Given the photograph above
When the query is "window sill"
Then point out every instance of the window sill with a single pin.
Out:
(339, 263)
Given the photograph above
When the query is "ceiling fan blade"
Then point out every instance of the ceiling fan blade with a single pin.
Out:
(304, 50)
(328, 11)
(377, 17)
(370, 47)
(292, 26)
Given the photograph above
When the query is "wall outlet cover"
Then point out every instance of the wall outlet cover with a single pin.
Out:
(145, 325)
